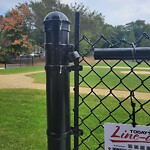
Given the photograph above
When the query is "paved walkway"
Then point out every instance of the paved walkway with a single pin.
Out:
(23, 81)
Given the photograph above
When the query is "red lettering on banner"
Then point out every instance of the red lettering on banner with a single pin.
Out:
(115, 133)
(147, 138)
(134, 137)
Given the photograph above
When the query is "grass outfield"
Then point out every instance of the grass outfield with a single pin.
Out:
(101, 63)
(23, 118)
(23, 111)
(21, 70)
(101, 77)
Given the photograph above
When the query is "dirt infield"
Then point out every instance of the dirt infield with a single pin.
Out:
(17, 81)
(20, 81)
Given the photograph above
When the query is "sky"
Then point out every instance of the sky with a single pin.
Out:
(115, 12)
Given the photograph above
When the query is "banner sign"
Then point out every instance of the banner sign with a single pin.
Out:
(126, 137)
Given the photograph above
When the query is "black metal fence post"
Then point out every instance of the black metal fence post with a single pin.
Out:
(56, 31)
(76, 82)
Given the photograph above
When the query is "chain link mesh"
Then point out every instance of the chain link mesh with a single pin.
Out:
(107, 91)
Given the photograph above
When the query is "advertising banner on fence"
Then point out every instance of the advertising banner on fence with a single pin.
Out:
(126, 137)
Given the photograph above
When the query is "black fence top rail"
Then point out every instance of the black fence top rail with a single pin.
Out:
(137, 53)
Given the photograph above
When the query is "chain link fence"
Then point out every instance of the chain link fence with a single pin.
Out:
(22, 62)
(116, 91)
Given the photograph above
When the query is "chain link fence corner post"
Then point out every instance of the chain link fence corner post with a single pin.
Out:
(56, 32)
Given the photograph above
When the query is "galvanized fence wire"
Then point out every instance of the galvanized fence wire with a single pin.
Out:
(109, 91)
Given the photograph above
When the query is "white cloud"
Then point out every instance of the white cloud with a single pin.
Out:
(115, 11)
(118, 11)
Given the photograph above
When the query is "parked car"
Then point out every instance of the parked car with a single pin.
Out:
(24, 55)
(35, 54)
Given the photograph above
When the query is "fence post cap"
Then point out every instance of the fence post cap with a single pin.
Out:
(56, 21)
(56, 15)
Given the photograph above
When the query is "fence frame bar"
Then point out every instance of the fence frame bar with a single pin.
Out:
(137, 53)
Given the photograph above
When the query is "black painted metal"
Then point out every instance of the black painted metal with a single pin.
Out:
(76, 82)
(58, 55)
(56, 31)
(122, 53)
(92, 108)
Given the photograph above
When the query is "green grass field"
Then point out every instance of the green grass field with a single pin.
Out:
(100, 77)
(21, 70)
(23, 111)
(94, 112)
(23, 118)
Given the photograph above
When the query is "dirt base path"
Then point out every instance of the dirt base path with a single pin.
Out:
(17, 81)
(20, 80)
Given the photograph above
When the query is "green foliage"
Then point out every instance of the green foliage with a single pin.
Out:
(91, 22)
(92, 25)
(39, 11)
(132, 31)
(14, 31)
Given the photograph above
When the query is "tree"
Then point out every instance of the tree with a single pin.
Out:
(132, 31)
(39, 11)
(14, 30)
(91, 22)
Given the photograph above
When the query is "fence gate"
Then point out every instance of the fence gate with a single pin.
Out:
(113, 86)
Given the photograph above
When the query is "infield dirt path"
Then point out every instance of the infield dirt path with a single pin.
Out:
(18, 81)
